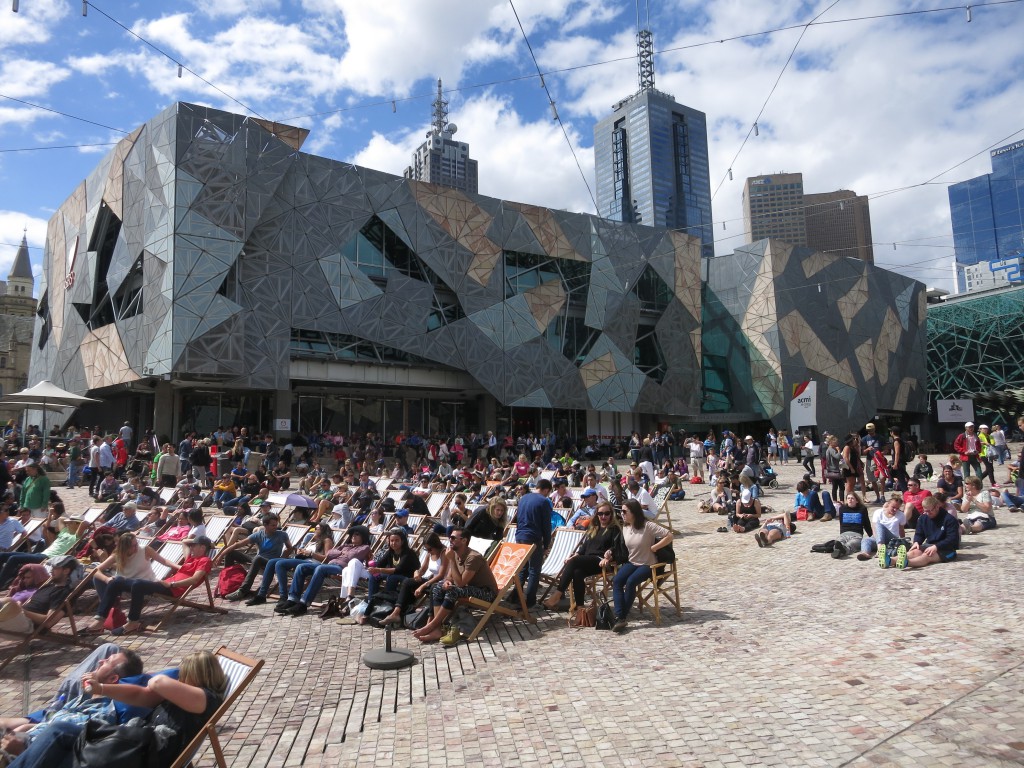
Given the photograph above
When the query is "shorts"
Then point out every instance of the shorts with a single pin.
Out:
(946, 556)
(778, 527)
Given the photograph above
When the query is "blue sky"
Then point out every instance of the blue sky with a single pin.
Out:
(870, 105)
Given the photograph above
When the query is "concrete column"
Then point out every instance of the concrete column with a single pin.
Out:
(283, 410)
(164, 413)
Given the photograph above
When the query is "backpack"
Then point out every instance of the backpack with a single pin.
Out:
(230, 580)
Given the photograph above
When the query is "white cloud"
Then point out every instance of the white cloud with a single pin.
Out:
(32, 24)
(27, 78)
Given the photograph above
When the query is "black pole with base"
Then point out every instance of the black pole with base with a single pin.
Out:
(388, 657)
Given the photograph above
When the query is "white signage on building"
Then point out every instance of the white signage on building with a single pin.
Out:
(803, 408)
(951, 411)
(282, 425)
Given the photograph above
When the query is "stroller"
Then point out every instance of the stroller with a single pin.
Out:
(767, 476)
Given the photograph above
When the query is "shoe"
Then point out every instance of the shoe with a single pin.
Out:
(238, 594)
(299, 609)
(862, 556)
(826, 518)
(1015, 509)
(883, 556)
(761, 539)
(619, 626)
(283, 606)
(452, 637)
(901, 556)
(838, 551)
(723, 529)
(256, 599)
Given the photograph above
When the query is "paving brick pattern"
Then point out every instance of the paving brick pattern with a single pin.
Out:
(782, 657)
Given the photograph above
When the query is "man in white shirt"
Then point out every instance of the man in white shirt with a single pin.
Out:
(9, 528)
(634, 491)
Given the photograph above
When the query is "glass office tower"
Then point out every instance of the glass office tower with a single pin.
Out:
(651, 159)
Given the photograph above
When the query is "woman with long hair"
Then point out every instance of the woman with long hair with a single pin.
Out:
(602, 547)
(642, 539)
(130, 563)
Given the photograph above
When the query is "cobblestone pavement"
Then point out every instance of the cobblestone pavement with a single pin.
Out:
(781, 657)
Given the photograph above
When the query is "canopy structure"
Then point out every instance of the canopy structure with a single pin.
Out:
(1007, 401)
(46, 396)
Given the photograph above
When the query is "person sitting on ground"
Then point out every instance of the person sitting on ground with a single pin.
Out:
(642, 539)
(747, 516)
(888, 523)
(805, 502)
(912, 499)
(775, 528)
(398, 563)
(130, 562)
(271, 543)
(23, 618)
(950, 484)
(297, 600)
(192, 571)
(181, 706)
(923, 469)
(432, 571)
(602, 547)
(489, 522)
(936, 538)
(722, 500)
(854, 525)
(977, 507)
(467, 575)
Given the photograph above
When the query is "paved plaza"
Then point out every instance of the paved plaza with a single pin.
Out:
(781, 657)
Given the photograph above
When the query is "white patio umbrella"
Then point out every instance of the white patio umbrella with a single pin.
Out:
(45, 395)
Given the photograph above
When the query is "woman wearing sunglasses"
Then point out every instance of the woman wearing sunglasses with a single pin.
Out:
(602, 547)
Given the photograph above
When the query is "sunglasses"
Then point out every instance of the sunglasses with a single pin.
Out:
(604, 514)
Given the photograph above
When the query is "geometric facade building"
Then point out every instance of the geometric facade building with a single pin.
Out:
(987, 213)
(776, 315)
(208, 263)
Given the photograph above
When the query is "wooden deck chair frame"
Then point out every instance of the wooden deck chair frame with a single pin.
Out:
(23, 537)
(510, 534)
(663, 584)
(382, 484)
(438, 500)
(664, 517)
(563, 544)
(217, 527)
(241, 670)
(178, 602)
(604, 578)
(506, 564)
(51, 635)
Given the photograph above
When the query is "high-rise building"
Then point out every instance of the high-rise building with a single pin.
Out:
(837, 222)
(988, 223)
(773, 206)
(651, 160)
(440, 159)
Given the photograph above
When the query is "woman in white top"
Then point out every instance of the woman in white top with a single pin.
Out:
(643, 539)
(131, 563)
(888, 522)
(433, 569)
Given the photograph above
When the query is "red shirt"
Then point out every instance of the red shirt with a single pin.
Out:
(189, 568)
(917, 499)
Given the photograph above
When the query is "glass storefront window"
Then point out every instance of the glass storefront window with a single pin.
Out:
(367, 416)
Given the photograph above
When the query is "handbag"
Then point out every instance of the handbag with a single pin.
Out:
(666, 555)
(801, 513)
(132, 745)
(604, 615)
(585, 616)
(115, 618)
(833, 475)
(417, 618)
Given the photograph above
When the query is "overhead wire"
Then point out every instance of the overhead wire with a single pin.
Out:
(61, 146)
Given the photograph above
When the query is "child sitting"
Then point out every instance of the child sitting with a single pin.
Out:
(923, 469)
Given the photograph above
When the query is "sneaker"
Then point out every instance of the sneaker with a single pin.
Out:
(883, 557)
(299, 609)
(761, 539)
(256, 599)
(283, 606)
(838, 551)
(1015, 509)
(901, 556)
(619, 626)
(238, 594)
(452, 637)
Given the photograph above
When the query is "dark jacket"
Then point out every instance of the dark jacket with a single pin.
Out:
(943, 531)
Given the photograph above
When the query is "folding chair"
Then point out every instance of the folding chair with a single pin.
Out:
(438, 501)
(21, 538)
(397, 496)
(217, 527)
(565, 542)
(663, 584)
(296, 533)
(51, 635)
(664, 517)
(507, 562)
(240, 671)
(175, 552)
(510, 534)
(382, 484)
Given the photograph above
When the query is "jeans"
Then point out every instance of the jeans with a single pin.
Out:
(316, 573)
(11, 562)
(140, 590)
(52, 747)
(883, 536)
(75, 474)
(392, 583)
(109, 592)
(627, 579)
(1012, 499)
(972, 461)
(278, 566)
(230, 504)
(532, 571)
(222, 496)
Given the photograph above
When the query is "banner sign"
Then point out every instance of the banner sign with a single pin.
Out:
(951, 411)
(803, 408)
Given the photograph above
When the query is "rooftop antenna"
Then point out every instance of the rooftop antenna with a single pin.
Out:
(645, 48)
(440, 113)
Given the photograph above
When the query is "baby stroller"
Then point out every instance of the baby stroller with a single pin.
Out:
(767, 476)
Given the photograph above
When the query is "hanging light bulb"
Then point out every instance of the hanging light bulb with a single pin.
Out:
(756, 132)
(394, 107)
(542, 85)
(179, 71)
(723, 225)
(968, 14)
(85, 7)
(14, 6)
(730, 174)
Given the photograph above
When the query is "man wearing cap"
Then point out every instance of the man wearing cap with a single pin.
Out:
(869, 444)
(583, 516)
(968, 446)
(127, 519)
(193, 571)
(11, 562)
(23, 618)
(987, 454)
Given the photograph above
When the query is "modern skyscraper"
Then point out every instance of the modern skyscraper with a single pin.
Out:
(988, 223)
(837, 222)
(651, 160)
(440, 159)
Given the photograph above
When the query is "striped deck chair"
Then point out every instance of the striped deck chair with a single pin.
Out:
(382, 484)
(167, 495)
(548, 474)
(21, 538)
(484, 546)
(510, 534)
(217, 527)
(240, 671)
(296, 533)
(438, 500)
(398, 496)
(664, 517)
(506, 563)
(66, 610)
(564, 543)
(175, 552)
